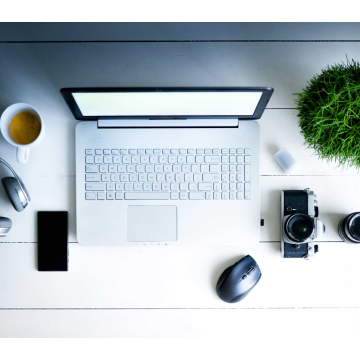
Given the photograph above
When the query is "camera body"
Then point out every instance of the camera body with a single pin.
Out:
(300, 225)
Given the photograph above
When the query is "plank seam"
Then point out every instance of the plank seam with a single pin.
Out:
(75, 242)
(225, 308)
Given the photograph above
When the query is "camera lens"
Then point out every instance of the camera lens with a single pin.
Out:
(355, 228)
(349, 228)
(299, 227)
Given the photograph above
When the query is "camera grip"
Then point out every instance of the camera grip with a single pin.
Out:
(290, 251)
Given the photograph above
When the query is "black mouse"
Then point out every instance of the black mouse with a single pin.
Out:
(238, 280)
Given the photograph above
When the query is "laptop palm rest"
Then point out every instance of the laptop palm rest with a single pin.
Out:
(148, 223)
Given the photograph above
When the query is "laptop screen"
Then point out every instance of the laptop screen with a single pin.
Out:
(167, 103)
(164, 103)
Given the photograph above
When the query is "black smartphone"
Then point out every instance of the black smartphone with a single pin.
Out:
(52, 240)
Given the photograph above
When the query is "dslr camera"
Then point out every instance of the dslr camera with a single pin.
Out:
(300, 225)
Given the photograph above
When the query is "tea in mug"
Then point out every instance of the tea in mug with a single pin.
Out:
(24, 128)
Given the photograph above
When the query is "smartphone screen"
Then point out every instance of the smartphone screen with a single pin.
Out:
(52, 240)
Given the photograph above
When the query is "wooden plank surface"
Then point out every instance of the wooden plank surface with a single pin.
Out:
(42, 69)
(35, 72)
(278, 324)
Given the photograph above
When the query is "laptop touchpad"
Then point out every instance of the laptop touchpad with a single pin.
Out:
(151, 223)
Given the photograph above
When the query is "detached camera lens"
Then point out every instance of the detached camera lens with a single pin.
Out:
(349, 228)
(355, 227)
(299, 227)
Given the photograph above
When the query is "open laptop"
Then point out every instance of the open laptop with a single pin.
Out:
(167, 166)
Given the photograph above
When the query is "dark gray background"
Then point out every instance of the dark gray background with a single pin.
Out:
(177, 31)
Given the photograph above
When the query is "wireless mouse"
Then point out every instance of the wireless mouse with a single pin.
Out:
(238, 280)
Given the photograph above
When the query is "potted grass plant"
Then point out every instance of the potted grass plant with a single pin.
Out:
(329, 113)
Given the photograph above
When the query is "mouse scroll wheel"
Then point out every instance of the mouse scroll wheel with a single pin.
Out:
(251, 269)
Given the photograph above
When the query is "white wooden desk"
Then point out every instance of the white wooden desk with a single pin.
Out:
(145, 291)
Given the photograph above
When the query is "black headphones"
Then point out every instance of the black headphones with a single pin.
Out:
(17, 193)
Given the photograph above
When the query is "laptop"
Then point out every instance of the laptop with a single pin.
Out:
(167, 166)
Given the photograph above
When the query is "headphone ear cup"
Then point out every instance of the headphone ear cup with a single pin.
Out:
(14, 192)
(5, 225)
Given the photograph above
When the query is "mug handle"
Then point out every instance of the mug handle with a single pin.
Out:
(22, 154)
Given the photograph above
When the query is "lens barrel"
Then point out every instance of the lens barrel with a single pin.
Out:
(299, 227)
(349, 228)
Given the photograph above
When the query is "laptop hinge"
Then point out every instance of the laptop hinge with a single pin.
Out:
(166, 123)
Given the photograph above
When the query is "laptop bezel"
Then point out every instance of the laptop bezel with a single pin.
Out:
(265, 97)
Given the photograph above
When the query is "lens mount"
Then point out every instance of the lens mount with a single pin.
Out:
(299, 227)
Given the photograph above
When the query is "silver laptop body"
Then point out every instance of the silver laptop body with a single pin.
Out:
(148, 173)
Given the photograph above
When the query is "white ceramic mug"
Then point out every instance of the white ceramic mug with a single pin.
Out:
(23, 151)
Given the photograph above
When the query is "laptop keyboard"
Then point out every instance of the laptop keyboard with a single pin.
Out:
(168, 174)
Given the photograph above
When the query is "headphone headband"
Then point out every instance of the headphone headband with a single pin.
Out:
(16, 177)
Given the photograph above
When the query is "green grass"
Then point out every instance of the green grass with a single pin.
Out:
(329, 113)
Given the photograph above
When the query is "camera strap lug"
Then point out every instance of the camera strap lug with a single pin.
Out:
(311, 251)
